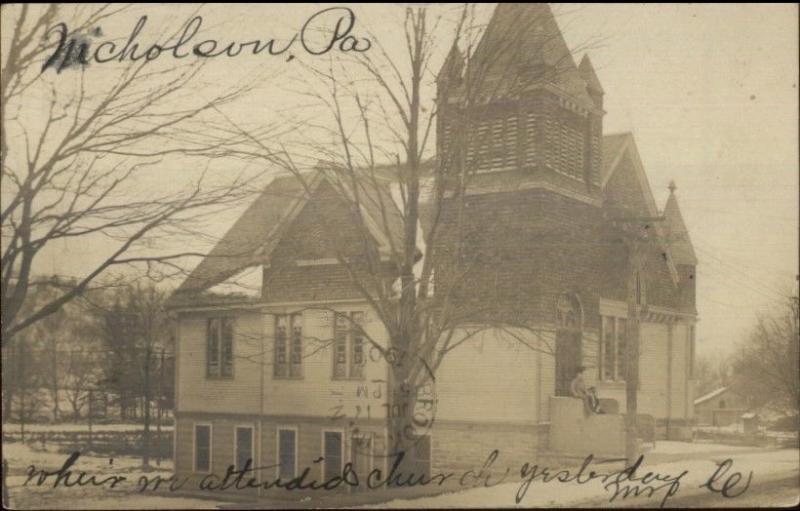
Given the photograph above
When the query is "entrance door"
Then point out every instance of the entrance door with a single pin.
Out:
(568, 342)
(568, 359)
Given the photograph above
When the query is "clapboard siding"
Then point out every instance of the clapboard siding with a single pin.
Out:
(653, 354)
(659, 394)
(316, 393)
(239, 394)
(680, 389)
(489, 378)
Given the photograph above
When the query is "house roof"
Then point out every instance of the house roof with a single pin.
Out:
(253, 237)
(710, 395)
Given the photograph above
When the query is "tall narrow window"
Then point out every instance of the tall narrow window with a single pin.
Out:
(609, 347)
(244, 447)
(297, 347)
(287, 462)
(202, 448)
(288, 346)
(341, 329)
(219, 348)
(622, 336)
(357, 346)
(212, 347)
(281, 328)
(333, 453)
(348, 345)
(612, 349)
(226, 328)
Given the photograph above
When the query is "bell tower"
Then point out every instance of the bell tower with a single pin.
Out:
(520, 105)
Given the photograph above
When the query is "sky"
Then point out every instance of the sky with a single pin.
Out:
(708, 90)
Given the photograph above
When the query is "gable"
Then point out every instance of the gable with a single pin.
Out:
(263, 227)
(325, 225)
(623, 189)
(627, 190)
(251, 236)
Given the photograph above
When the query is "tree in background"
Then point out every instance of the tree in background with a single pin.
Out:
(74, 147)
(136, 331)
(765, 366)
(712, 373)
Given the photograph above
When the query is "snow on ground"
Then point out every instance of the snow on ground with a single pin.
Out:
(700, 460)
(554, 493)
(675, 447)
(46, 428)
(20, 456)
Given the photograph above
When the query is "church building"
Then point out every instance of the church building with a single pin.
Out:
(546, 222)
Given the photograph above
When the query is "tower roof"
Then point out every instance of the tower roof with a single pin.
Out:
(524, 44)
(588, 74)
(677, 234)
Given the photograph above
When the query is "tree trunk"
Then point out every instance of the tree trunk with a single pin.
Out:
(10, 379)
(146, 413)
(54, 379)
(400, 412)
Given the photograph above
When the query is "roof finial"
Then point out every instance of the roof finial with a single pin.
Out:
(672, 187)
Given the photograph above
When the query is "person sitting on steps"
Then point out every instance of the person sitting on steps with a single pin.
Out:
(578, 389)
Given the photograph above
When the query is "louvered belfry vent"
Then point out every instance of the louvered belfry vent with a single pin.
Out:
(511, 118)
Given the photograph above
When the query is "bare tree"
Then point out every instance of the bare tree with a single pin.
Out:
(383, 120)
(73, 149)
(712, 373)
(765, 367)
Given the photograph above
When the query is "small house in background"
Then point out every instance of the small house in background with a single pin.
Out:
(721, 407)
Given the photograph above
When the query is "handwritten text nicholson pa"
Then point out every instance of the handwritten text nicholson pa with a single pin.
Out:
(330, 29)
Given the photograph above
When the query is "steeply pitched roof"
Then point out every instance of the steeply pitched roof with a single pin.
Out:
(520, 41)
(252, 238)
(622, 145)
(677, 234)
(613, 146)
(588, 74)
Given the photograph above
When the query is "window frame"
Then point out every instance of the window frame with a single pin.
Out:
(221, 321)
(343, 446)
(236, 429)
(210, 447)
(349, 346)
(287, 370)
(616, 367)
(278, 430)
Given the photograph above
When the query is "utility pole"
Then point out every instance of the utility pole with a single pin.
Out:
(635, 232)
(635, 264)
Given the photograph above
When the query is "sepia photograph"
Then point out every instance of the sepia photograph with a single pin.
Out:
(401, 256)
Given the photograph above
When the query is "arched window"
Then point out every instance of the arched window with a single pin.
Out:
(569, 315)
(722, 403)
